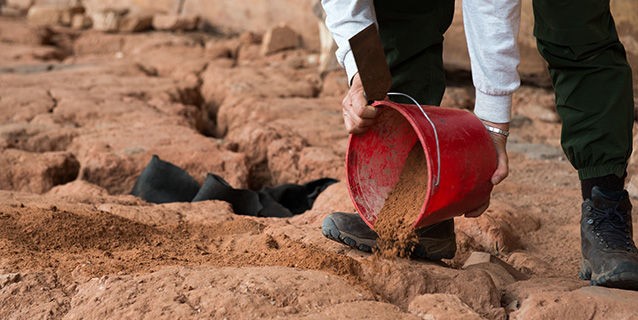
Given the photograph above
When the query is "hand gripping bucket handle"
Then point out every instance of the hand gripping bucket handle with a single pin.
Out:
(458, 150)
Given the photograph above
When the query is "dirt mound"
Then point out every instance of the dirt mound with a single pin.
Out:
(103, 243)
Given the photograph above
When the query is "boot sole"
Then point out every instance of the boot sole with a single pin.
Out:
(621, 280)
(330, 231)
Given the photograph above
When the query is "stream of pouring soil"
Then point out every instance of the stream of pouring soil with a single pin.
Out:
(401, 208)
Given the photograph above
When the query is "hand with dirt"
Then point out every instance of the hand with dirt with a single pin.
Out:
(357, 114)
(502, 168)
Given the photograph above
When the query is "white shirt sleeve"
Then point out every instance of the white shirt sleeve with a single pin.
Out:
(345, 19)
(491, 29)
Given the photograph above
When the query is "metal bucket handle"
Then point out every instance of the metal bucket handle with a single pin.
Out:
(436, 135)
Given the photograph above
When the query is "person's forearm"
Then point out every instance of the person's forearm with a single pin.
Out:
(491, 29)
(344, 19)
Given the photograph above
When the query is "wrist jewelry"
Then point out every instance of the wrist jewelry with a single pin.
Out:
(497, 130)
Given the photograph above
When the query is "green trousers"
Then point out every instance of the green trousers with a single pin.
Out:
(592, 81)
(587, 65)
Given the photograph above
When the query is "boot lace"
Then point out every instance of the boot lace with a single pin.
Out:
(611, 228)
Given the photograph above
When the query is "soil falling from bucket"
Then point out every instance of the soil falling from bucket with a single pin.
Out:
(402, 206)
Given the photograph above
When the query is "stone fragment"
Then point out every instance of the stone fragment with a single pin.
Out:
(248, 38)
(45, 14)
(502, 273)
(108, 20)
(66, 18)
(136, 23)
(173, 22)
(9, 278)
(81, 21)
(279, 37)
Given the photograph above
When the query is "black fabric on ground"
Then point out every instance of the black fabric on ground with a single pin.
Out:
(244, 202)
(163, 182)
(315, 187)
(298, 198)
(272, 208)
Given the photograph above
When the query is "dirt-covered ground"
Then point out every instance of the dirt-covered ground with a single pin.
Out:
(82, 113)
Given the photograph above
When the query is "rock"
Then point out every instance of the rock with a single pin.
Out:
(585, 303)
(36, 172)
(136, 23)
(81, 21)
(248, 38)
(502, 273)
(78, 187)
(9, 278)
(279, 37)
(214, 292)
(173, 22)
(66, 19)
(528, 263)
(441, 306)
(400, 282)
(45, 14)
(108, 20)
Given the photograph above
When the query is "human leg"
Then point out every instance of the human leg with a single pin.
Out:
(592, 80)
(412, 35)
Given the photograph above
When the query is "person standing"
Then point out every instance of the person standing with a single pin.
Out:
(594, 98)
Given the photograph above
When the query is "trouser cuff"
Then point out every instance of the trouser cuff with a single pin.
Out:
(601, 171)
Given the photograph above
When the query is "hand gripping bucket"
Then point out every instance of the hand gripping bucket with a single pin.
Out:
(458, 176)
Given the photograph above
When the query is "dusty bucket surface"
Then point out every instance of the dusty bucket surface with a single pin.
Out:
(375, 159)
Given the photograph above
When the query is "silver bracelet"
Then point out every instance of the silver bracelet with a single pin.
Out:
(497, 130)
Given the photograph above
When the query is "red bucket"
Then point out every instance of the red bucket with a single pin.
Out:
(458, 177)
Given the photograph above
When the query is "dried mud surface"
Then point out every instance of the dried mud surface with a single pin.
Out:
(80, 118)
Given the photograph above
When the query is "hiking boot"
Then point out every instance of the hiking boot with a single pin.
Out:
(610, 257)
(436, 242)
